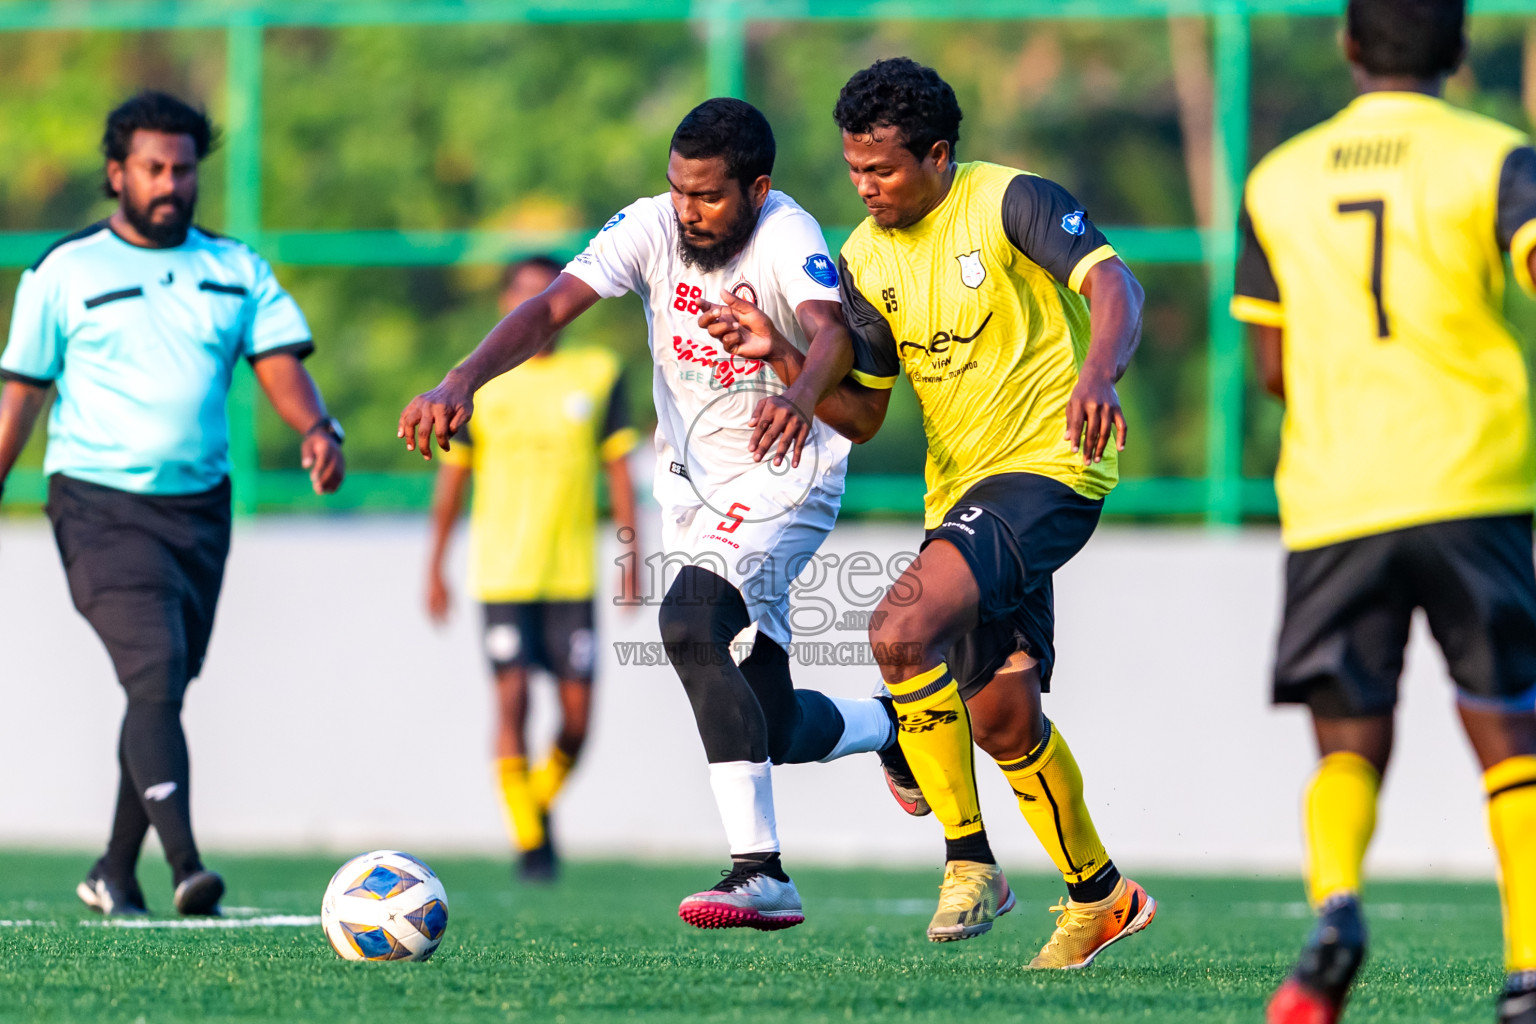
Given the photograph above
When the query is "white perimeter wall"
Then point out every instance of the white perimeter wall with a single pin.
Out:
(331, 715)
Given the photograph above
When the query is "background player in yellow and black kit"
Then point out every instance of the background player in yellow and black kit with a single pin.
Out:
(972, 278)
(1372, 271)
(539, 438)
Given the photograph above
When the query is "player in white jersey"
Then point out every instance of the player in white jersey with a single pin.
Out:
(748, 485)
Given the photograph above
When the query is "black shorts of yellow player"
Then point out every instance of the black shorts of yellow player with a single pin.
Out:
(1014, 531)
(556, 636)
(1349, 606)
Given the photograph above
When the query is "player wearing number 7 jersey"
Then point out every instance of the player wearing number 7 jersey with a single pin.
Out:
(748, 486)
(1372, 272)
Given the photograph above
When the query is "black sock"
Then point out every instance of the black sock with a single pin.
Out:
(972, 847)
(129, 826)
(155, 749)
(890, 712)
(1098, 887)
(818, 725)
(803, 725)
(767, 863)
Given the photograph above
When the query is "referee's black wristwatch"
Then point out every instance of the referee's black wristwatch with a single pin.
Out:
(331, 425)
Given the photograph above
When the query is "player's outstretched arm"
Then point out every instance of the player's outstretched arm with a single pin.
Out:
(293, 394)
(1094, 416)
(19, 405)
(520, 335)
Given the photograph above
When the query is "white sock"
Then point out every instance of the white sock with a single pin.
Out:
(866, 726)
(744, 794)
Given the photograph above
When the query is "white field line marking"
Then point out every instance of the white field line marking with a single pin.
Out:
(1384, 911)
(28, 924)
(878, 907)
(268, 921)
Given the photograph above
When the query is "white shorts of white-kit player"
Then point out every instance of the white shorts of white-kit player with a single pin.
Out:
(759, 531)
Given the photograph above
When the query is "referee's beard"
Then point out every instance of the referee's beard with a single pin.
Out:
(166, 231)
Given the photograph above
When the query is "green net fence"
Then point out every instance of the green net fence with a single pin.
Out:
(389, 155)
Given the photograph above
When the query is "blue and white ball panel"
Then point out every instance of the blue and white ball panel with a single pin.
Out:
(384, 905)
(382, 883)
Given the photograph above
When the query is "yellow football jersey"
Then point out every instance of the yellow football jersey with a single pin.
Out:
(1374, 241)
(978, 303)
(539, 435)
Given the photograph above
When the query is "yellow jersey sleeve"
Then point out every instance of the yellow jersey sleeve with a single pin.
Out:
(1517, 212)
(618, 435)
(876, 363)
(1256, 298)
(1046, 223)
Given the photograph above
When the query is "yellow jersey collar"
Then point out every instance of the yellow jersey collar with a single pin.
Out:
(1385, 99)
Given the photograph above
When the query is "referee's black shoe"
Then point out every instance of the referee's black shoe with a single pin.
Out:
(1517, 1003)
(110, 897)
(198, 894)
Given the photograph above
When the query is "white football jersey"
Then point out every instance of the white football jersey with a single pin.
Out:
(704, 396)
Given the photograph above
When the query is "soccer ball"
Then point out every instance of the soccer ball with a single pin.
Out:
(384, 905)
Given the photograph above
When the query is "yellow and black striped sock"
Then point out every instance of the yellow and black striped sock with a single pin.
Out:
(549, 778)
(1511, 789)
(1339, 809)
(1049, 786)
(935, 735)
(525, 819)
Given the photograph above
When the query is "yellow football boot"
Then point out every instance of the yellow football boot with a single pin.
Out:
(1084, 929)
(972, 896)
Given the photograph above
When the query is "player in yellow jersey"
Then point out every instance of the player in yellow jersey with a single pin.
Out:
(1372, 272)
(975, 280)
(540, 437)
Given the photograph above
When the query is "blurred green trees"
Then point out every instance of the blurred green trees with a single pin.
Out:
(557, 126)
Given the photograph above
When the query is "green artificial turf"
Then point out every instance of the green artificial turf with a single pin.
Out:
(605, 944)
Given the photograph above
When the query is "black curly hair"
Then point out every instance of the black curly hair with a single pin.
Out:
(1419, 38)
(154, 112)
(901, 93)
(731, 129)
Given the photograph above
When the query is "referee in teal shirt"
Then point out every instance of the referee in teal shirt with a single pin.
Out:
(138, 321)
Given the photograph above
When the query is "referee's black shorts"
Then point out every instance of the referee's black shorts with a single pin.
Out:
(1014, 530)
(145, 571)
(1348, 608)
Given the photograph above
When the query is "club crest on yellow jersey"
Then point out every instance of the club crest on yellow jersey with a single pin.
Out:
(972, 273)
